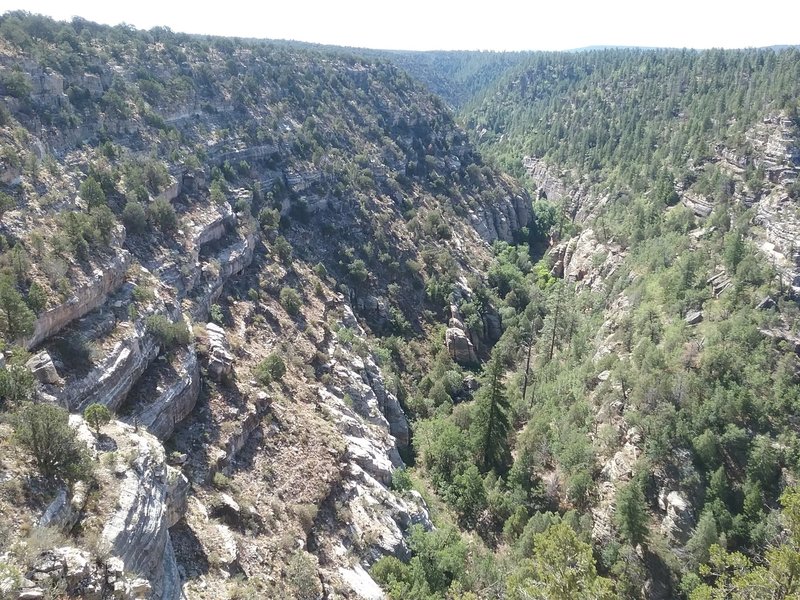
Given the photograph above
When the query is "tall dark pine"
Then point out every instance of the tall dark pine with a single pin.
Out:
(491, 418)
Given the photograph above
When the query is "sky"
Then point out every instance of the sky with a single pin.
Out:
(450, 25)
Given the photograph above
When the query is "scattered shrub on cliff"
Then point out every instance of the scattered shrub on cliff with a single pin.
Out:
(169, 334)
(16, 380)
(162, 215)
(291, 301)
(92, 193)
(16, 319)
(97, 415)
(134, 217)
(284, 249)
(272, 368)
(43, 430)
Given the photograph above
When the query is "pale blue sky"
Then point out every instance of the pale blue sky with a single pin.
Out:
(466, 24)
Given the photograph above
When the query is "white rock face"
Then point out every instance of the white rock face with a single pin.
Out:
(175, 402)
(679, 521)
(112, 378)
(379, 518)
(460, 347)
(43, 369)
(361, 583)
(151, 498)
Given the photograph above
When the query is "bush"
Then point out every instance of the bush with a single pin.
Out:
(97, 415)
(92, 193)
(270, 369)
(283, 249)
(291, 301)
(37, 298)
(43, 430)
(162, 215)
(169, 334)
(6, 203)
(401, 480)
(269, 219)
(134, 217)
(16, 381)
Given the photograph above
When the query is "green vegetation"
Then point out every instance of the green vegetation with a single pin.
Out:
(169, 334)
(97, 415)
(43, 430)
(16, 319)
(550, 454)
(291, 301)
(272, 368)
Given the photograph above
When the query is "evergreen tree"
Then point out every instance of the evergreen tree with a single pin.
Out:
(562, 568)
(16, 319)
(631, 514)
(491, 421)
(92, 193)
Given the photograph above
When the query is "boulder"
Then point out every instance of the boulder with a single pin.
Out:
(43, 369)
(693, 317)
(220, 360)
(460, 347)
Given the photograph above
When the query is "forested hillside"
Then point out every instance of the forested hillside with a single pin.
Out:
(275, 325)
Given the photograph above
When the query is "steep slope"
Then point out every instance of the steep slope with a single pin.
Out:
(208, 234)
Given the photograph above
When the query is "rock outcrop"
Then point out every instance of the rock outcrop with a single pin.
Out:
(460, 347)
(220, 360)
(150, 498)
(86, 298)
(177, 392)
(503, 219)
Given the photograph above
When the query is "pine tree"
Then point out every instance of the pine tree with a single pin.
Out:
(16, 319)
(631, 513)
(92, 193)
(491, 422)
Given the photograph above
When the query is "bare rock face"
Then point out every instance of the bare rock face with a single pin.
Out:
(86, 298)
(503, 219)
(679, 521)
(65, 510)
(460, 347)
(175, 401)
(556, 187)
(373, 426)
(586, 260)
(151, 498)
(109, 382)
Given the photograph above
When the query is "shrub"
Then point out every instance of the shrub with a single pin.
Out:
(16, 319)
(291, 301)
(37, 298)
(284, 249)
(216, 314)
(43, 430)
(162, 215)
(97, 415)
(169, 334)
(6, 203)
(401, 480)
(16, 380)
(303, 576)
(272, 368)
(134, 217)
(269, 219)
(92, 193)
